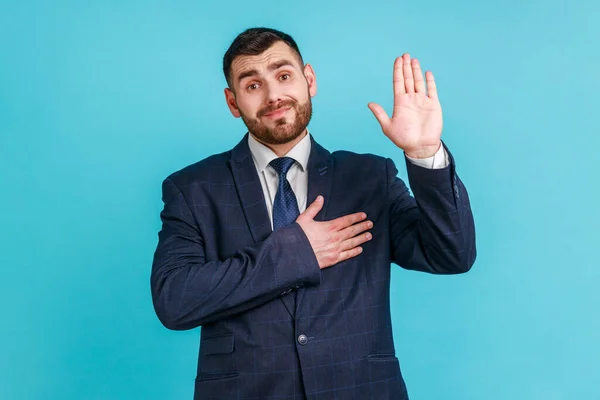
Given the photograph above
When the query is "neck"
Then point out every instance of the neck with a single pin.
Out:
(282, 149)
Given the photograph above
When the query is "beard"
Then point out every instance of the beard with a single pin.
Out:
(284, 131)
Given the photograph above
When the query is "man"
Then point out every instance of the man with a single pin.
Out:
(281, 251)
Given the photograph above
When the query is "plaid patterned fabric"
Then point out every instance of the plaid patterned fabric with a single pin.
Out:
(219, 265)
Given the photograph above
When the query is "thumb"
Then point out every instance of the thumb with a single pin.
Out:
(381, 115)
(312, 210)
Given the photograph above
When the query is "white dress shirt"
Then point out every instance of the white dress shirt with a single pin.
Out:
(297, 175)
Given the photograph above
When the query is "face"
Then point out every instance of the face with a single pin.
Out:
(272, 93)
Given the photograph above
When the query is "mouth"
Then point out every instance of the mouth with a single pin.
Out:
(277, 113)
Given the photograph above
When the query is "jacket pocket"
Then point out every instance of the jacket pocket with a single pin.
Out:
(217, 358)
(385, 376)
(214, 376)
(382, 357)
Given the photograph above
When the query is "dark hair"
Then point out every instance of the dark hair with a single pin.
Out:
(253, 42)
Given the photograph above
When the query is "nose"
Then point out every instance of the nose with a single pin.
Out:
(273, 94)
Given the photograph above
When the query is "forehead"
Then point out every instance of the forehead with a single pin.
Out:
(278, 51)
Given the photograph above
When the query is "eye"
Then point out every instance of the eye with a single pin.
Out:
(285, 77)
(252, 86)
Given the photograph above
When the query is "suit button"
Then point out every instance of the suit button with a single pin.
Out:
(302, 339)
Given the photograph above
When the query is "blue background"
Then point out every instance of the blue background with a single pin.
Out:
(101, 100)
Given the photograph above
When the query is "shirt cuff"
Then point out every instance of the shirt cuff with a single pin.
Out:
(437, 161)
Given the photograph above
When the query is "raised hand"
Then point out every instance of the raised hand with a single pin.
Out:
(416, 123)
(336, 240)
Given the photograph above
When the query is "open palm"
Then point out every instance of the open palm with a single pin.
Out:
(416, 123)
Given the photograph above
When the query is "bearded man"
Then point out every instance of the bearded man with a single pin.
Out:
(281, 251)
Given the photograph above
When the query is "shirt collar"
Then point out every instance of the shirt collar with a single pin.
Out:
(263, 155)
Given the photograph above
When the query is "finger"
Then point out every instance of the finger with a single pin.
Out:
(409, 82)
(343, 222)
(399, 88)
(356, 241)
(418, 76)
(431, 86)
(314, 208)
(345, 255)
(355, 229)
(381, 116)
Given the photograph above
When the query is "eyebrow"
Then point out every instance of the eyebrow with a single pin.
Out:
(272, 67)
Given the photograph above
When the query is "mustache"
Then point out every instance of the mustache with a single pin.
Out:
(268, 109)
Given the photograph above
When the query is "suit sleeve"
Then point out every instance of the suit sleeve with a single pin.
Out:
(189, 291)
(434, 230)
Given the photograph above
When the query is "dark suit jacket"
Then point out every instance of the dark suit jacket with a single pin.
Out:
(275, 326)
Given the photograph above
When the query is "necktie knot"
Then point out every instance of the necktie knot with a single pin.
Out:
(282, 165)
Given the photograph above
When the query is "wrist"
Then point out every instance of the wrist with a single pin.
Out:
(423, 152)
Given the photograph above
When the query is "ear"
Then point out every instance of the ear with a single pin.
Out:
(311, 78)
(230, 99)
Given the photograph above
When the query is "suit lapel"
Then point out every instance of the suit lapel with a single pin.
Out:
(250, 192)
(320, 177)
